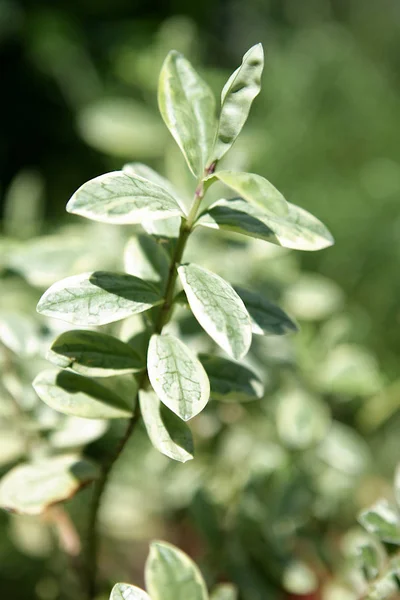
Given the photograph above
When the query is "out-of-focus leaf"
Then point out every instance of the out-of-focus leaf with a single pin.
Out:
(313, 297)
(266, 317)
(256, 190)
(124, 591)
(187, 106)
(298, 578)
(93, 353)
(74, 432)
(31, 488)
(224, 591)
(177, 376)
(121, 198)
(383, 520)
(168, 434)
(172, 575)
(236, 99)
(369, 561)
(298, 229)
(122, 127)
(79, 396)
(218, 309)
(19, 332)
(350, 369)
(98, 298)
(302, 419)
(230, 380)
(146, 259)
(12, 445)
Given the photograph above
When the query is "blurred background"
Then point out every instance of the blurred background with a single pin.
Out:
(78, 98)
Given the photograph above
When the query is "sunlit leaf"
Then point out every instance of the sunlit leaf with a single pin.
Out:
(172, 575)
(383, 520)
(146, 172)
(93, 353)
(298, 229)
(369, 561)
(98, 298)
(124, 591)
(236, 100)
(187, 106)
(255, 189)
(177, 376)
(167, 432)
(146, 259)
(122, 198)
(266, 317)
(19, 332)
(75, 395)
(31, 488)
(218, 309)
(230, 380)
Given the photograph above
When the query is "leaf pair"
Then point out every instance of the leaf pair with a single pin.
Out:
(171, 575)
(187, 106)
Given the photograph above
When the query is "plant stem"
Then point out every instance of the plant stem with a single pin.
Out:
(92, 548)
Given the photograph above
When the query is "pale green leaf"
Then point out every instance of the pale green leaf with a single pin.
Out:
(302, 419)
(266, 317)
(383, 520)
(74, 432)
(167, 432)
(31, 488)
(224, 591)
(92, 353)
(298, 229)
(177, 376)
(124, 591)
(98, 298)
(171, 575)
(369, 561)
(218, 309)
(146, 259)
(19, 332)
(187, 106)
(122, 198)
(146, 172)
(256, 189)
(236, 100)
(75, 395)
(230, 380)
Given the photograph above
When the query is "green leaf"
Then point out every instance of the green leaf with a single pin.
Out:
(31, 488)
(187, 106)
(19, 332)
(218, 309)
(121, 198)
(256, 189)
(168, 434)
(383, 520)
(236, 100)
(369, 560)
(93, 353)
(177, 376)
(146, 259)
(230, 380)
(73, 394)
(224, 591)
(74, 432)
(98, 298)
(298, 230)
(124, 591)
(302, 419)
(172, 575)
(266, 317)
(146, 172)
